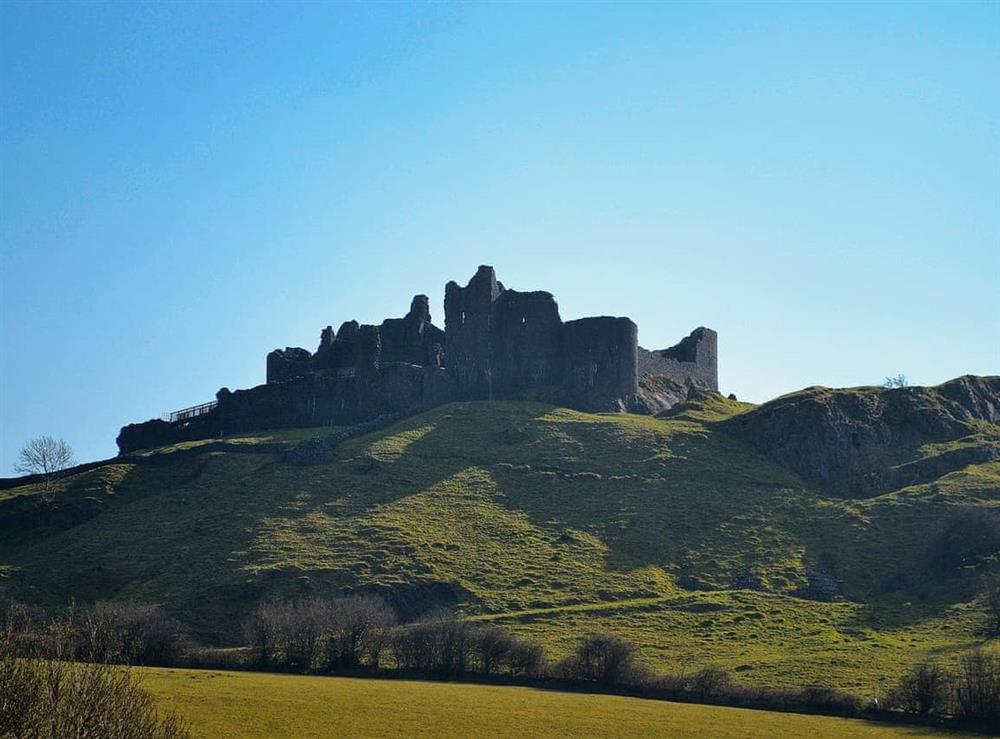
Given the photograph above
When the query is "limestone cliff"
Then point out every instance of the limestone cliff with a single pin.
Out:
(864, 441)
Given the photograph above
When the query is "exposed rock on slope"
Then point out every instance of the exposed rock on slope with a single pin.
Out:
(865, 441)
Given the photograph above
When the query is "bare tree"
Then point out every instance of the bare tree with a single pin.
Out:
(356, 630)
(51, 695)
(127, 632)
(924, 690)
(491, 647)
(603, 658)
(977, 686)
(439, 644)
(260, 631)
(44, 456)
(525, 659)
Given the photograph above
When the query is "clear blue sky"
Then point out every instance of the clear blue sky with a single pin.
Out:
(187, 186)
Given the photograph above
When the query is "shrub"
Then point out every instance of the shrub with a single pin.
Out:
(341, 632)
(356, 630)
(260, 632)
(440, 644)
(112, 632)
(494, 651)
(828, 700)
(298, 627)
(602, 658)
(19, 625)
(525, 659)
(48, 697)
(17, 618)
(977, 687)
(710, 682)
(491, 648)
(923, 690)
(133, 633)
(288, 634)
(669, 685)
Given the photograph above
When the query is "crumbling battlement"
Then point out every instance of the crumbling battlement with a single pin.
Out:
(694, 359)
(509, 345)
(497, 344)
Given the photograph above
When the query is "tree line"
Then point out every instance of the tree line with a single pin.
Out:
(65, 677)
(362, 635)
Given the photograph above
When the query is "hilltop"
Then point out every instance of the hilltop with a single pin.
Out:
(828, 536)
(497, 344)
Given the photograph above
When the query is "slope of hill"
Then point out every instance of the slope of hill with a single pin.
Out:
(705, 535)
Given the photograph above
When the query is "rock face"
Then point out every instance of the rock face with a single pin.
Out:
(497, 344)
(865, 441)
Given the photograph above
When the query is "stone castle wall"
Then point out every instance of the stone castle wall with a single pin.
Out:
(497, 344)
(694, 359)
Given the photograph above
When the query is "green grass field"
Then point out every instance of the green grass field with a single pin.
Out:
(279, 436)
(249, 705)
(549, 521)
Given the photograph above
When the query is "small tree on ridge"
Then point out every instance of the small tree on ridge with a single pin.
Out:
(44, 456)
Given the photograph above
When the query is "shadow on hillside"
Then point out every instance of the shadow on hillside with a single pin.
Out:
(896, 614)
(188, 535)
(650, 492)
(71, 543)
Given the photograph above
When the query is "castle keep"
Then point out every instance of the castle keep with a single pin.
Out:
(497, 344)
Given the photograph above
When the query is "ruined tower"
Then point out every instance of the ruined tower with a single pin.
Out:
(497, 344)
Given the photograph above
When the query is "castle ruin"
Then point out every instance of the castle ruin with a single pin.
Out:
(497, 344)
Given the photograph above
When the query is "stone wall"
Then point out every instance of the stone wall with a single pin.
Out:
(694, 360)
(287, 364)
(468, 328)
(600, 363)
(413, 339)
(526, 346)
(497, 344)
(505, 344)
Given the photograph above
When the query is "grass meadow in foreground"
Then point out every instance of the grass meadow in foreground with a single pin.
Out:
(247, 704)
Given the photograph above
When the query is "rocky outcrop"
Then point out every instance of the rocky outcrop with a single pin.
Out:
(497, 344)
(658, 393)
(865, 441)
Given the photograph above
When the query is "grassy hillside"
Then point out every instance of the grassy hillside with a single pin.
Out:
(231, 704)
(672, 531)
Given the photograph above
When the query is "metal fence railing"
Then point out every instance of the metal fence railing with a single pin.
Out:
(185, 414)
